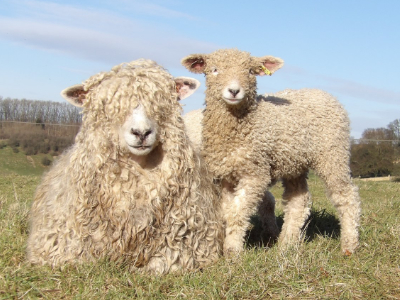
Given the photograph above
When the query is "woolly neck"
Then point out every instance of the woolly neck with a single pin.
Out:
(220, 109)
(225, 131)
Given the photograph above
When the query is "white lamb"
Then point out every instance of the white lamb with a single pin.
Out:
(249, 143)
(131, 188)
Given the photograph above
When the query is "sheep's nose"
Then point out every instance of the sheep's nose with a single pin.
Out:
(233, 92)
(142, 135)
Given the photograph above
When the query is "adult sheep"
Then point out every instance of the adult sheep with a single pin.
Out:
(250, 143)
(131, 188)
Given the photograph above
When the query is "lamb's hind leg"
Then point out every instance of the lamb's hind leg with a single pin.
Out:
(266, 211)
(344, 196)
(296, 201)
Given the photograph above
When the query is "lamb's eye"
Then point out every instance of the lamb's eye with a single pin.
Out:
(214, 71)
(251, 71)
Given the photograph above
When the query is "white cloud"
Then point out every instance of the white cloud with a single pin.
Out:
(342, 86)
(160, 11)
(152, 8)
(98, 35)
(362, 91)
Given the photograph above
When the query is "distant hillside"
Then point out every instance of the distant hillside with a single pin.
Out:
(21, 164)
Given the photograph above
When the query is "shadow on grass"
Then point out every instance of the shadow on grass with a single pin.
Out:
(319, 223)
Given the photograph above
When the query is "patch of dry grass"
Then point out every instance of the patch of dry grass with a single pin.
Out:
(315, 269)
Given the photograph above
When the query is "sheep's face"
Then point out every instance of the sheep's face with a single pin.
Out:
(231, 74)
(132, 104)
(139, 133)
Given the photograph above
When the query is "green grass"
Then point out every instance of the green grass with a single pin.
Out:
(315, 269)
(19, 163)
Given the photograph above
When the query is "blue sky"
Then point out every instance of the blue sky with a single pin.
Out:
(348, 48)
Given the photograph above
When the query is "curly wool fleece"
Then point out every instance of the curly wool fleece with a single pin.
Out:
(96, 201)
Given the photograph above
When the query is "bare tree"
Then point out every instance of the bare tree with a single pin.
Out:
(395, 128)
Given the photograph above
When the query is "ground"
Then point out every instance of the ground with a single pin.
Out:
(315, 269)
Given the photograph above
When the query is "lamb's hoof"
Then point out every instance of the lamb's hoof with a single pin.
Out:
(349, 248)
(347, 253)
(231, 253)
(232, 250)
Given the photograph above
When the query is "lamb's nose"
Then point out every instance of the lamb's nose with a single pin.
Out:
(233, 92)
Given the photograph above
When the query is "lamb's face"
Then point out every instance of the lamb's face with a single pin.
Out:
(231, 73)
(139, 133)
(235, 82)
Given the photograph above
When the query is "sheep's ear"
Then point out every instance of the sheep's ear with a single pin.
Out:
(75, 95)
(195, 63)
(267, 65)
(185, 86)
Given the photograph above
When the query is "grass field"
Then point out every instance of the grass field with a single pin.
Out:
(315, 269)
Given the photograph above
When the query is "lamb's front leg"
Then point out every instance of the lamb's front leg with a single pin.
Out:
(238, 205)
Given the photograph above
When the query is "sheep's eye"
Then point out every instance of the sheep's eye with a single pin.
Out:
(214, 71)
(251, 71)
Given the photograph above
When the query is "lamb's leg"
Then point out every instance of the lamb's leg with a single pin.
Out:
(347, 203)
(344, 196)
(266, 211)
(296, 201)
(238, 204)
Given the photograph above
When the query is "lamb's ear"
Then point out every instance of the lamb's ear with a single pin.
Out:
(267, 65)
(74, 94)
(185, 86)
(195, 63)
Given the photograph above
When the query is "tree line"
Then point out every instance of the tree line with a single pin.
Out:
(39, 111)
(38, 126)
(377, 153)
